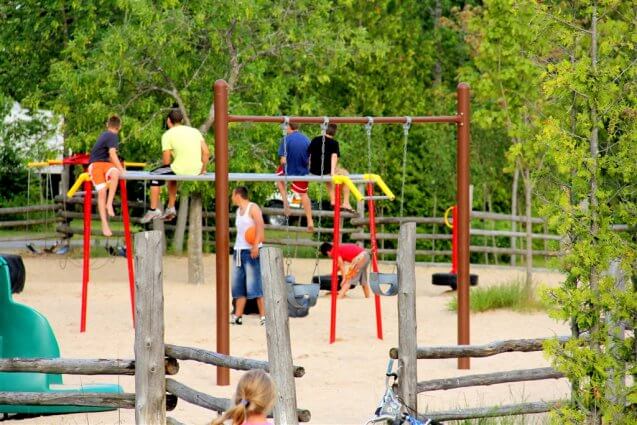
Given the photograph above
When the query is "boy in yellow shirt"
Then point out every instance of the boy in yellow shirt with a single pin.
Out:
(187, 149)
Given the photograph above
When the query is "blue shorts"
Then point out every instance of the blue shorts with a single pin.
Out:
(246, 276)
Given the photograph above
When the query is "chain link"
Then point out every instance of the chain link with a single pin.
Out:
(368, 131)
(284, 131)
(406, 127)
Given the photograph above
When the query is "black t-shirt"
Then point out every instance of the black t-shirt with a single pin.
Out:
(316, 152)
(107, 140)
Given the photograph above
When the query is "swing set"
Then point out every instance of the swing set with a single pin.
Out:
(222, 177)
(222, 121)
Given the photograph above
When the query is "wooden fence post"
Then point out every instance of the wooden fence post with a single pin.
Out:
(278, 335)
(407, 335)
(150, 380)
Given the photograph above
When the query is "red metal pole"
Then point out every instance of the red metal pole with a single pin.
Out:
(87, 251)
(372, 237)
(454, 241)
(129, 245)
(335, 254)
(222, 239)
(462, 191)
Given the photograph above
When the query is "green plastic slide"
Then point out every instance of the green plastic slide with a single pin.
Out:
(26, 333)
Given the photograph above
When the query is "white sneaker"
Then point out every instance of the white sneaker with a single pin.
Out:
(236, 320)
(169, 214)
(262, 321)
(150, 216)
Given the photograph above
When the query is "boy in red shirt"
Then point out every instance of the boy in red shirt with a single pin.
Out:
(356, 273)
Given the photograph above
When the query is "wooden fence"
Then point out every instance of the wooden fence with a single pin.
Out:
(433, 237)
(408, 353)
(154, 393)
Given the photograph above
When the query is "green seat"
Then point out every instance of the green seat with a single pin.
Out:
(26, 333)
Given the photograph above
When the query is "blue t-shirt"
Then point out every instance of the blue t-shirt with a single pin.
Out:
(297, 153)
(106, 141)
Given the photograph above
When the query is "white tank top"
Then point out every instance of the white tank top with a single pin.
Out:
(242, 223)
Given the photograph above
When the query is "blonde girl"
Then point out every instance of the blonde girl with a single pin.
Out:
(253, 400)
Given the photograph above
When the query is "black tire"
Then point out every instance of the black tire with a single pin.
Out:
(451, 279)
(17, 273)
(325, 282)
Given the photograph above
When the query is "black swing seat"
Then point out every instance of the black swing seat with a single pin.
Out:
(301, 296)
(377, 279)
(451, 279)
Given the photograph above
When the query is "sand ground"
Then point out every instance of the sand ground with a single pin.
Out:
(343, 381)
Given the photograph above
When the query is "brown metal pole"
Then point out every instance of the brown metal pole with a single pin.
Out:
(462, 199)
(222, 239)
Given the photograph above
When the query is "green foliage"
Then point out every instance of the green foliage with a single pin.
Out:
(586, 180)
(511, 295)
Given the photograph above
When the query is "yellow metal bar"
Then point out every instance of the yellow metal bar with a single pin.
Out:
(348, 182)
(80, 180)
(381, 185)
(134, 164)
(44, 163)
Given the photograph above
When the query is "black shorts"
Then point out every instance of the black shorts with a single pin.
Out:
(164, 170)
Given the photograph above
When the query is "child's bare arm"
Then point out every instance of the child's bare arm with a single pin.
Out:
(112, 154)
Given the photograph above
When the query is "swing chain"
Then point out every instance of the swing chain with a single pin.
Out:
(326, 121)
(284, 132)
(368, 131)
(406, 127)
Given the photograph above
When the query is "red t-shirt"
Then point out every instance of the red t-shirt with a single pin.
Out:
(349, 251)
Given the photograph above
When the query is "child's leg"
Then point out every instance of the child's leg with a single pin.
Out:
(154, 197)
(112, 188)
(240, 306)
(172, 193)
(101, 207)
(330, 190)
(284, 197)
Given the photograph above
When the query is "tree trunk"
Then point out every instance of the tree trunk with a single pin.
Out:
(484, 208)
(438, 64)
(594, 415)
(514, 209)
(493, 239)
(528, 188)
(195, 241)
(180, 230)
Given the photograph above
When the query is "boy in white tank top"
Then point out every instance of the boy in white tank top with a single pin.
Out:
(246, 276)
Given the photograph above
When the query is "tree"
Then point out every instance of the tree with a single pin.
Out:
(505, 77)
(588, 177)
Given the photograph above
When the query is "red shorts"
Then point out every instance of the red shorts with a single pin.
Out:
(297, 187)
(100, 173)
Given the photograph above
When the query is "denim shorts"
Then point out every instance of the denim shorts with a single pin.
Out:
(246, 276)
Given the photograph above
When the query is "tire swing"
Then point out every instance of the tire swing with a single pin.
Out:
(300, 296)
(451, 279)
(378, 280)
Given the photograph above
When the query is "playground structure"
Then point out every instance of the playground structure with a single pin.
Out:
(83, 161)
(154, 394)
(222, 120)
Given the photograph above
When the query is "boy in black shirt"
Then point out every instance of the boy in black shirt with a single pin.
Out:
(105, 169)
(328, 166)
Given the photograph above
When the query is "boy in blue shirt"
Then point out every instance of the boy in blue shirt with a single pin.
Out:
(294, 161)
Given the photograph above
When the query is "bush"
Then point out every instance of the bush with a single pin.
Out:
(513, 295)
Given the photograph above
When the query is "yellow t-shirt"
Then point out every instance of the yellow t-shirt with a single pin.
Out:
(184, 142)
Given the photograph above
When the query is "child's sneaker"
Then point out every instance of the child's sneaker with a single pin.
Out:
(169, 214)
(150, 216)
(262, 321)
(235, 320)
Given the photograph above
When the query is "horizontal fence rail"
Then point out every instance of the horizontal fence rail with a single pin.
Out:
(216, 359)
(493, 412)
(76, 398)
(489, 379)
(78, 366)
(486, 350)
